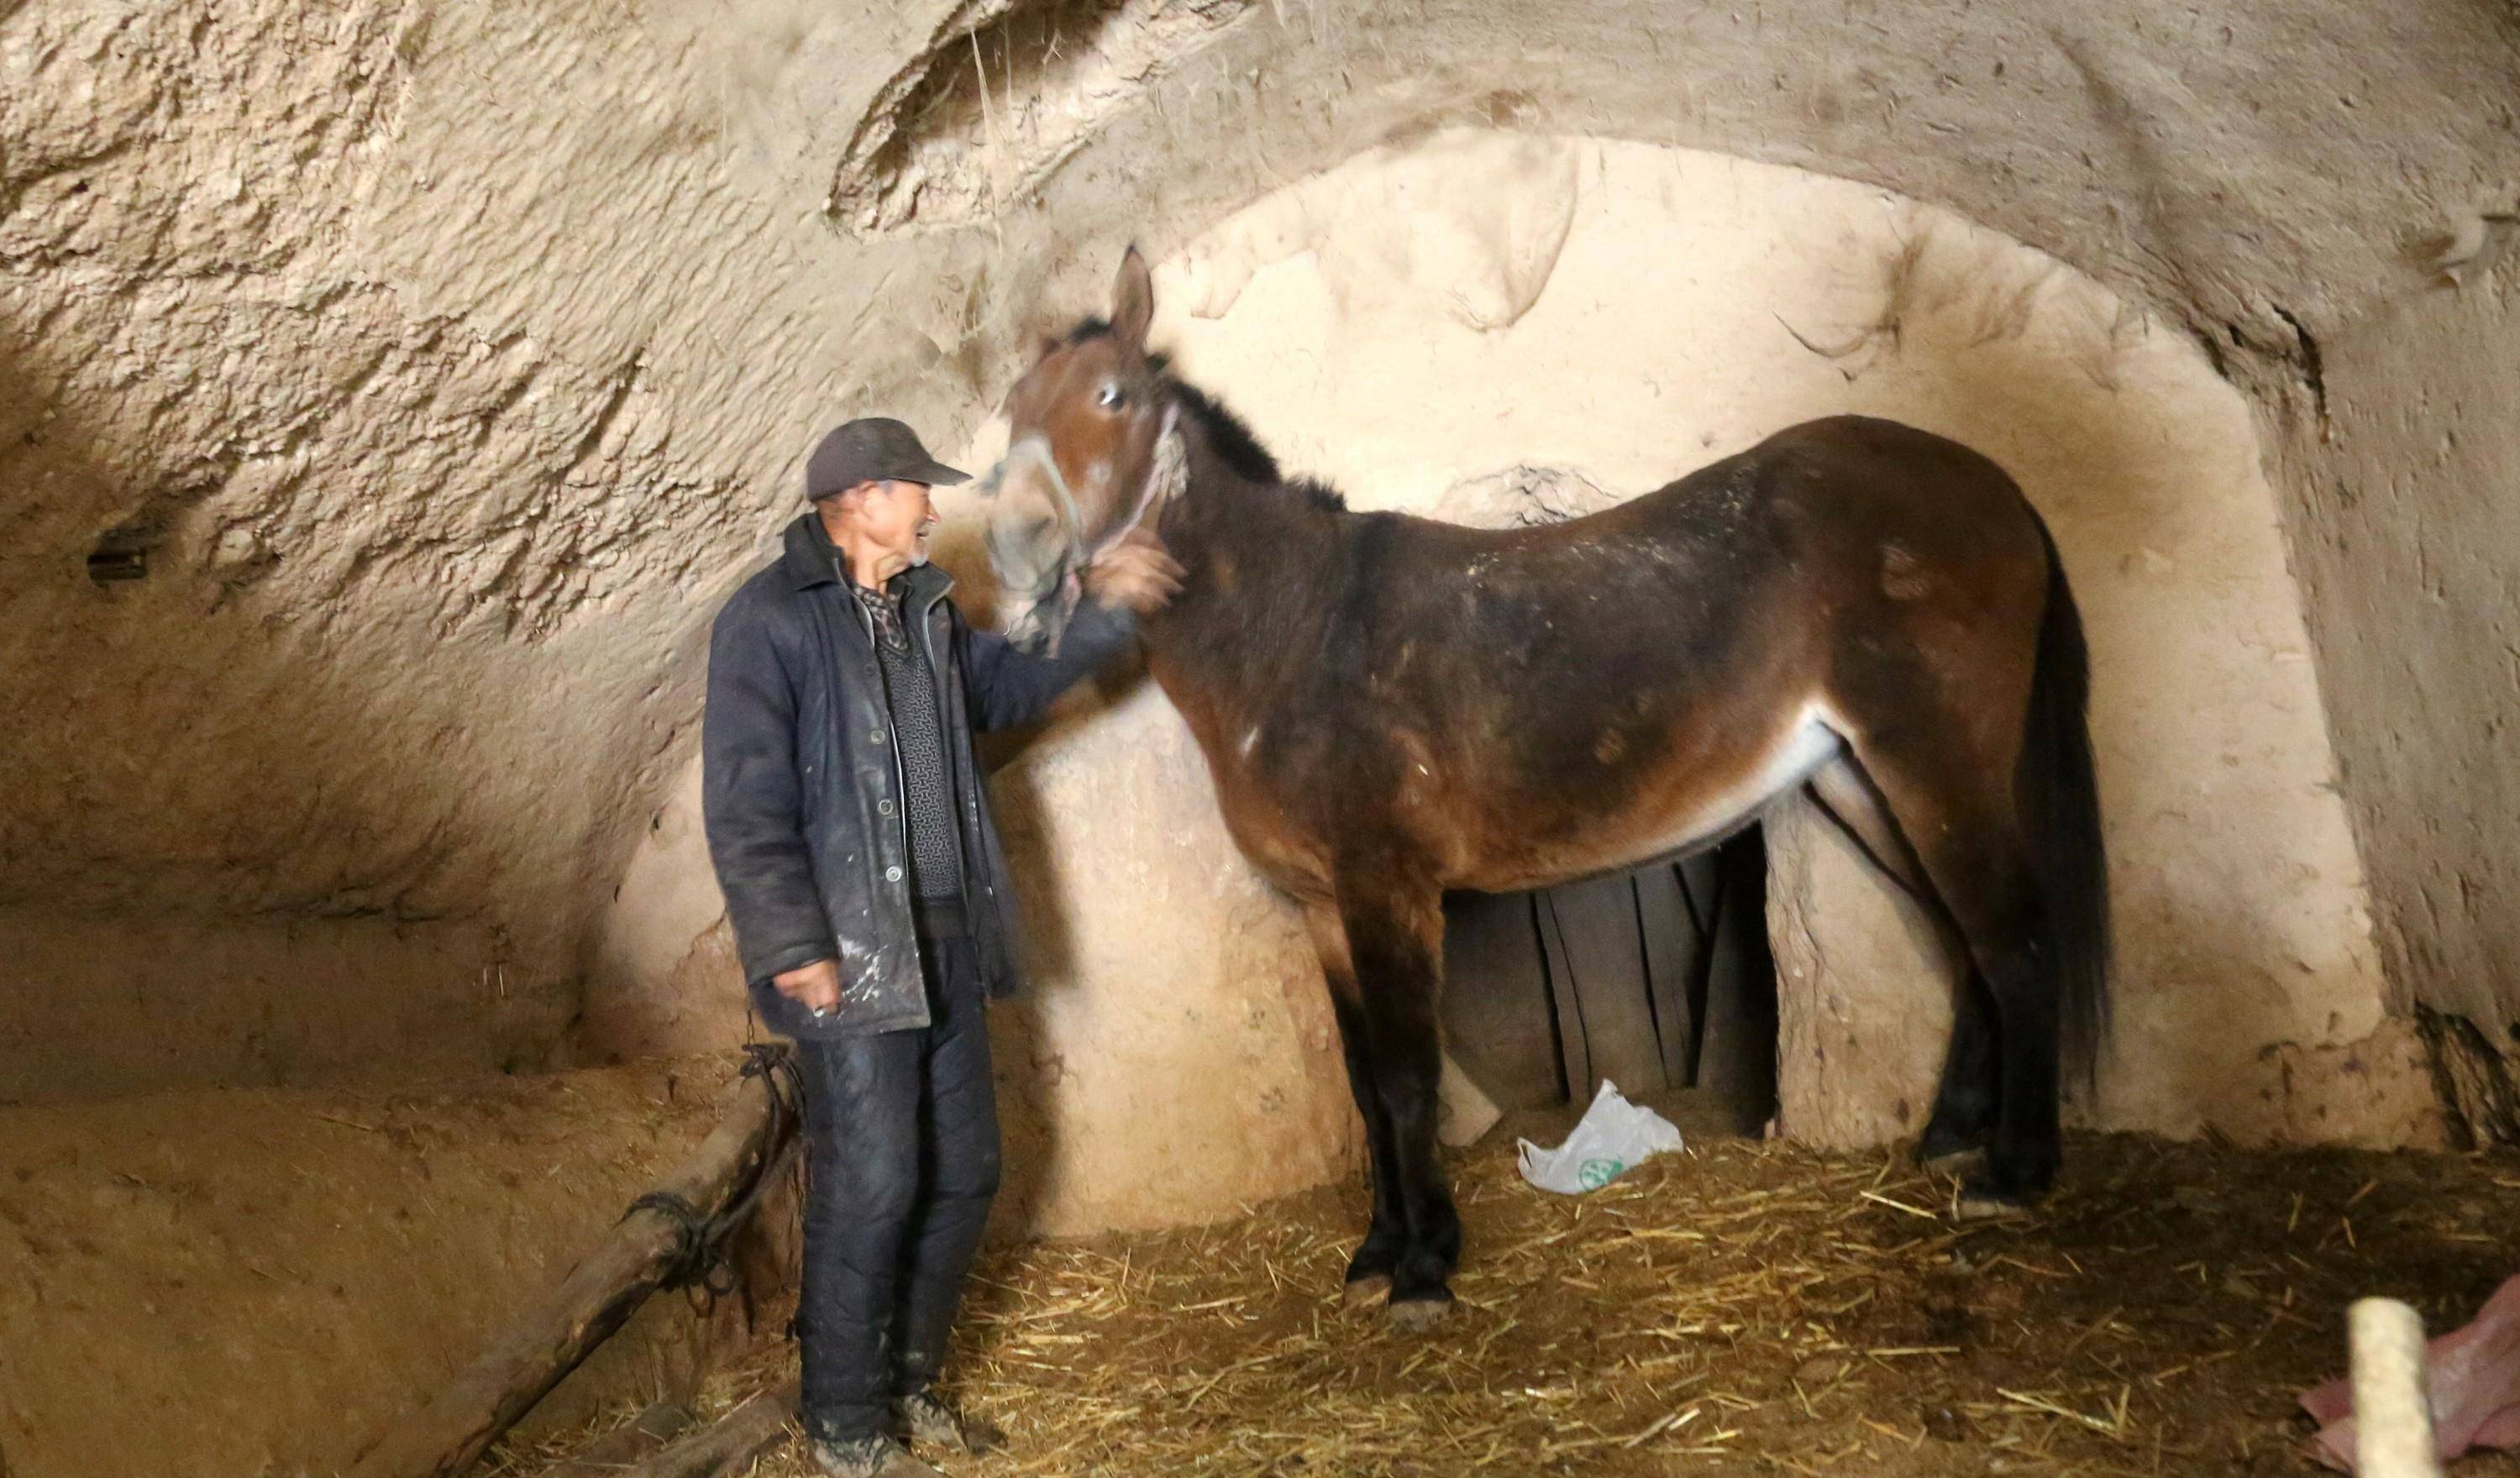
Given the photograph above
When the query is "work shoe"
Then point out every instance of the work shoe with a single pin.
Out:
(928, 1418)
(875, 1456)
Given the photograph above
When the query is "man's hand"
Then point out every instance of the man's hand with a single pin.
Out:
(816, 987)
(1135, 574)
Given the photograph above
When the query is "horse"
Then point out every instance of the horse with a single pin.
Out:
(1392, 707)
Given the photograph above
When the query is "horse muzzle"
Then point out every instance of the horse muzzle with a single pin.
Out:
(1031, 547)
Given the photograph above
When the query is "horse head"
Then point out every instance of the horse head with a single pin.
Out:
(1093, 452)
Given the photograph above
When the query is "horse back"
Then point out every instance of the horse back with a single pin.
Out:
(1567, 694)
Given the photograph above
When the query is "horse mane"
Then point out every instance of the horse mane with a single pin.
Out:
(1227, 434)
(1232, 440)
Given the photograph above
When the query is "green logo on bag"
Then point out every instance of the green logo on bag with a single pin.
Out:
(1595, 1174)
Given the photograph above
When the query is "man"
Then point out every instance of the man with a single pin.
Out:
(873, 910)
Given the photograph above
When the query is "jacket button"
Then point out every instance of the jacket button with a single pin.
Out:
(892, 874)
(883, 808)
(875, 736)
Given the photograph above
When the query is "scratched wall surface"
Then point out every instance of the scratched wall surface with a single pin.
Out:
(444, 363)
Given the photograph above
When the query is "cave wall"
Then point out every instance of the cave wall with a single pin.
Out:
(450, 361)
(2409, 524)
(1496, 328)
(1424, 322)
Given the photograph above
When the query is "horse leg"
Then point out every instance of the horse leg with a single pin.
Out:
(1957, 809)
(1369, 1273)
(1985, 871)
(1970, 1097)
(1964, 1104)
(1395, 938)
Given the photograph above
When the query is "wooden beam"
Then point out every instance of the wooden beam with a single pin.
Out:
(448, 1436)
(727, 1447)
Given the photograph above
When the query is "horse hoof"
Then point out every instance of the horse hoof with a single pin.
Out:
(1981, 1202)
(1368, 1290)
(1942, 1143)
(1417, 1315)
(1950, 1162)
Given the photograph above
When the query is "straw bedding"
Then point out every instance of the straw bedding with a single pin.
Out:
(1741, 1308)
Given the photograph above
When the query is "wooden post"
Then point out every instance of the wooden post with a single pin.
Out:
(2393, 1425)
(446, 1437)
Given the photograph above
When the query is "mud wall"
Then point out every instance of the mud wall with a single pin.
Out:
(1440, 327)
(2410, 531)
(265, 1280)
(438, 366)
(444, 363)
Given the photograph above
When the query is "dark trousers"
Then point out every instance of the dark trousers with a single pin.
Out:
(904, 1162)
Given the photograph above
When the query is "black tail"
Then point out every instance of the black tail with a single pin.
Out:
(2061, 807)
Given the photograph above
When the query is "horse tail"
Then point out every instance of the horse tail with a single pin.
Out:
(2057, 792)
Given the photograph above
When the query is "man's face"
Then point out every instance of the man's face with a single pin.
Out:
(897, 517)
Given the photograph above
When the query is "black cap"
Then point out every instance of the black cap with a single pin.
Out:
(871, 450)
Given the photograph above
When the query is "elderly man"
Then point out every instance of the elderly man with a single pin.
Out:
(871, 907)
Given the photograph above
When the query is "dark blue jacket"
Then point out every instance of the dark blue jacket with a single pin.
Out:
(802, 789)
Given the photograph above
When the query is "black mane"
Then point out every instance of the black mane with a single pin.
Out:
(1226, 435)
(1241, 451)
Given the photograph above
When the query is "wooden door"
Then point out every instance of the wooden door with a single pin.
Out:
(1656, 979)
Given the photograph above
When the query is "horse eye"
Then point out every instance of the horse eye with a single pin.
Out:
(1109, 398)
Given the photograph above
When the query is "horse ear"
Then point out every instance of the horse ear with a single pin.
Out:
(1133, 301)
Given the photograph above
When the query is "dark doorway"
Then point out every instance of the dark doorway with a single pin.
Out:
(1658, 979)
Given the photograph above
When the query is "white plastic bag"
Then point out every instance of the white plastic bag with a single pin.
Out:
(1614, 1136)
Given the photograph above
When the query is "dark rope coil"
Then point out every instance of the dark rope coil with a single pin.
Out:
(701, 1242)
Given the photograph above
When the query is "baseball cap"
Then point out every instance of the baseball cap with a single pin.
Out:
(870, 450)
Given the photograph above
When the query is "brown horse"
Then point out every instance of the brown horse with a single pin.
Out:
(1394, 706)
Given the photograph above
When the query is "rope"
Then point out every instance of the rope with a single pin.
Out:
(701, 1242)
(1167, 476)
(1165, 473)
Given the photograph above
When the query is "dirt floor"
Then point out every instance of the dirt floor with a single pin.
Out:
(256, 1281)
(1744, 1308)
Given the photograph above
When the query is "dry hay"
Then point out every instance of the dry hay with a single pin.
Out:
(1744, 1308)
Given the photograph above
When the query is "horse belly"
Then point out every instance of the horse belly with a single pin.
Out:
(1695, 814)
